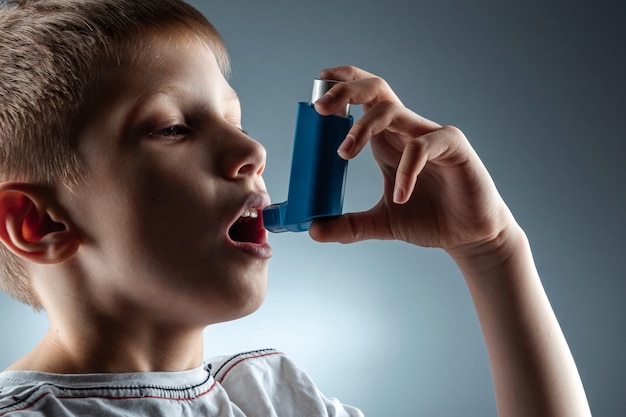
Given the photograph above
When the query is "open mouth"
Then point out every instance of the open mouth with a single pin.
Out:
(248, 227)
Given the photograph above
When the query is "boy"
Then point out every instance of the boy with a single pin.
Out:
(128, 198)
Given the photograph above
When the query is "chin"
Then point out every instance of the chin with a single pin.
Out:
(251, 308)
(240, 299)
(253, 300)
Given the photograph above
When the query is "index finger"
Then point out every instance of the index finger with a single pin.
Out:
(345, 73)
(357, 87)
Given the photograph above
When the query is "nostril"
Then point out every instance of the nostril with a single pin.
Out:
(246, 169)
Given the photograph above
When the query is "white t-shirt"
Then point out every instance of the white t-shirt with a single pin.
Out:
(262, 383)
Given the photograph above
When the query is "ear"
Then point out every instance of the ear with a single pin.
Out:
(33, 226)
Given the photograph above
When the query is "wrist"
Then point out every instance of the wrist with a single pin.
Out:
(493, 255)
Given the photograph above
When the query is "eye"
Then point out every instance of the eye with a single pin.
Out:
(173, 132)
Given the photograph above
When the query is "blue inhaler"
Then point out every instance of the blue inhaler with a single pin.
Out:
(318, 174)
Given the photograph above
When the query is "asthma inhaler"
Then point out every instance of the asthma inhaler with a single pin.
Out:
(318, 174)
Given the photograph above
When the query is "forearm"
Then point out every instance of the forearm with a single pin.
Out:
(533, 370)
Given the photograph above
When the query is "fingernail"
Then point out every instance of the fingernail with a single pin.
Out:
(324, 100)
(346, 146)
(398, 195)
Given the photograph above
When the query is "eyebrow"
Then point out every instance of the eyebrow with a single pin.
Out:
(230, 95)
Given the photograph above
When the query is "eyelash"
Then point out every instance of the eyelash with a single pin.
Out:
(173, 131)
(176, 131)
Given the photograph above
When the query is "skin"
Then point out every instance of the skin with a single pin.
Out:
(437, 193)
(169, 171)
(110, 250)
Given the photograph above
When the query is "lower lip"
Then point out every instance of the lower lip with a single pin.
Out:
(257, 250)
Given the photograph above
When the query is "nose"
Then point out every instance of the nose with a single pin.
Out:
(242, 157)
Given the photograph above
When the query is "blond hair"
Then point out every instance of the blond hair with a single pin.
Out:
(53, 55)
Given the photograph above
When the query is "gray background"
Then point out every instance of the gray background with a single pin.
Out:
(538, 87)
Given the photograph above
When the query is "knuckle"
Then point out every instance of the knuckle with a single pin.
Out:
(380, 84)
(351, 71)
(403, 171)
(453, 131)
(385, 108)
(390, 106)
(415, 147)
(350, 231)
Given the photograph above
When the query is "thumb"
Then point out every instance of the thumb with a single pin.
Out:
(349, 228)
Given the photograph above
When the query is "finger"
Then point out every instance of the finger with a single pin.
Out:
(385, 115)
(412, 162)
(431, 147)
(372, 123)
(368, 91)
(348, 228)
(345, 73)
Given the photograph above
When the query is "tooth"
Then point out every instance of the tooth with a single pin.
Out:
(251, 212)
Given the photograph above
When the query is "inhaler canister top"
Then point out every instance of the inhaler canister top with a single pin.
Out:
(320, 87)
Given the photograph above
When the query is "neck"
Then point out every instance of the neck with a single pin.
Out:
(108, 345)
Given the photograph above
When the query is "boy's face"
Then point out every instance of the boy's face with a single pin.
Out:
(171, 178)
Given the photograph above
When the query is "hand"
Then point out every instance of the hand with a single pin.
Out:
(437, 193)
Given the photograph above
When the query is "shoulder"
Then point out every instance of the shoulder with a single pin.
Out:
(17, 390)
(266, 373)
(266, 361)
(267, 382)
(30, 393)
(258, 383)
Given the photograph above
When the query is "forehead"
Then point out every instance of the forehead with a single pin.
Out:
(169, 55)
(144, 41)
(165, 64)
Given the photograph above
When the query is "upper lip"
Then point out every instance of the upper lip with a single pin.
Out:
(257, 201)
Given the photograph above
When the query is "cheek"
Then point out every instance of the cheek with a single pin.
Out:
(175, 191)
(153, 207)
(174, 214)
